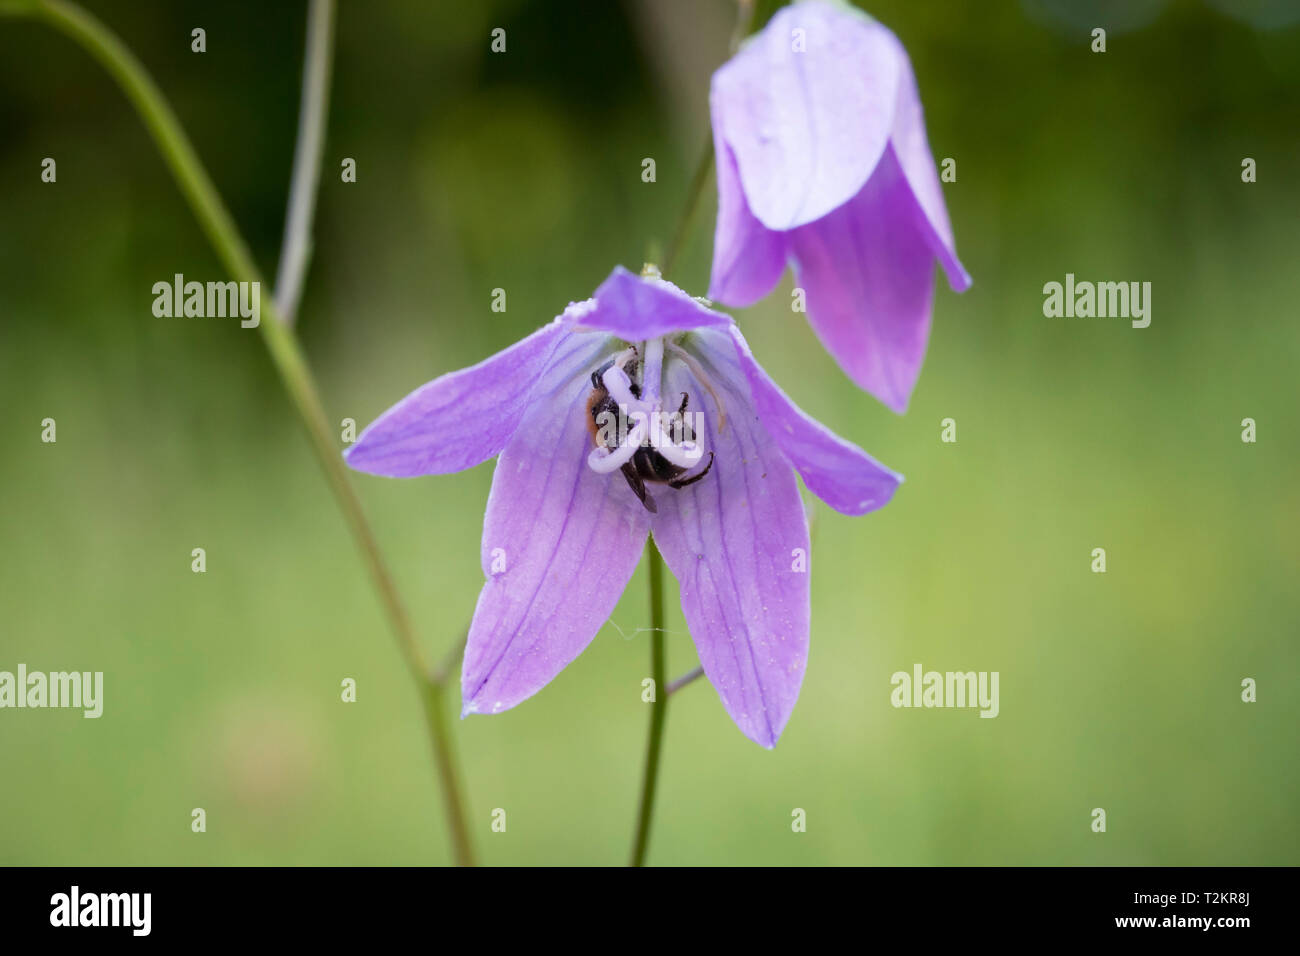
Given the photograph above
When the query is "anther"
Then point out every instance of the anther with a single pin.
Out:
(698, 371)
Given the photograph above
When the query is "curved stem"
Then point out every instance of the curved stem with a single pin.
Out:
(694, 192)
(306, 158)
(744, 20)
(286, 354)
(658, 707)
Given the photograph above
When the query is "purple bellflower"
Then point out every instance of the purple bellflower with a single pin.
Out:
(823, 162)
(644, 380)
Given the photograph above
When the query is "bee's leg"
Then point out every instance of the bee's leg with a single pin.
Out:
(597, 377)
(683, 482)
(628, 361)
(679, 431)
(637, 485)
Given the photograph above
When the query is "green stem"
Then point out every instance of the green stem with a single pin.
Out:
(744, 18)
(658, 707)
(444, 758)
(694, 192)
(296, 248)
(280, 341)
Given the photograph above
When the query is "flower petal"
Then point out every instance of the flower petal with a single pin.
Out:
(808, 114)
(559, 545)
(748, 258)
(911, 147)
(636, 308)
(737, 541)
(465, 417)
(836, 471)
(868, 272)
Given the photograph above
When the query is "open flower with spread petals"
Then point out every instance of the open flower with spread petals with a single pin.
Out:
(637, 411)
(823, 162)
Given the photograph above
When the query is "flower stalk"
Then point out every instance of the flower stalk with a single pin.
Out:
(658, 707)
(296, 249)
(286, 354)
(693, 194)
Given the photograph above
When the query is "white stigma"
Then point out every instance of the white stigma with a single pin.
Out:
(603, 461)
(647, 424)
(652, 368)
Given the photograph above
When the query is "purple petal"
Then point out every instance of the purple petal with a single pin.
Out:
(868, 273)
(912, 150)
(635, 308)
(464, 417)
(748, 258)
(836, 471)
(737, 541)
(559, 544)
(807, 128)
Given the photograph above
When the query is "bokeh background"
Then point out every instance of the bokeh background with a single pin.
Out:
(522, 171)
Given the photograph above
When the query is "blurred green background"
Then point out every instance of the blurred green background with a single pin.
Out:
(522, 171)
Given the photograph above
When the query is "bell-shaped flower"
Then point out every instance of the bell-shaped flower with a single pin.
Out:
(637, 411)
(823, 162)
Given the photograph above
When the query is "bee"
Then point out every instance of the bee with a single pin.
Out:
(647, 464)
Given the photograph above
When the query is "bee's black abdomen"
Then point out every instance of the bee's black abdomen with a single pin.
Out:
(652, 466)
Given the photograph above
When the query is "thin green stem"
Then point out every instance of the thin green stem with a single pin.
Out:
(658, 707)
(296, 248)
(283, 346)
(451, 660)
(744, 18)
(444, 758)
(694, 192)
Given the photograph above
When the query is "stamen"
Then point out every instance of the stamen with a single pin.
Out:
(698, 371)
(625, 356)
